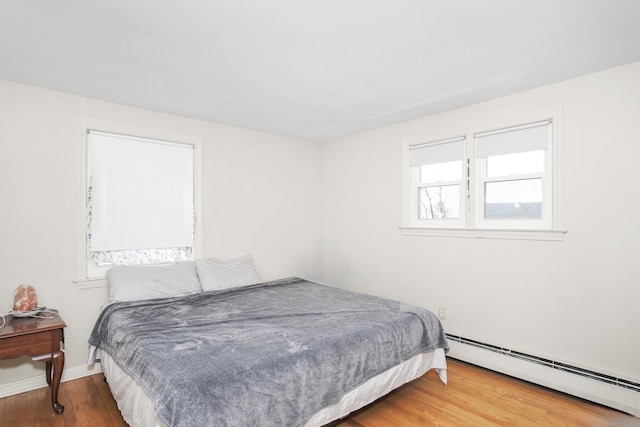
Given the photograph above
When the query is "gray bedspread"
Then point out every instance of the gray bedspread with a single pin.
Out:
(271, 354)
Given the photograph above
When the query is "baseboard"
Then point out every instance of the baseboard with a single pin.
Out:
(610, 395)
(40, 381)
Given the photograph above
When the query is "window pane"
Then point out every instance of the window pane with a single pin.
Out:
(142, 256)
(517, 163)
(513, 199)
(439, 172)
(441, 202)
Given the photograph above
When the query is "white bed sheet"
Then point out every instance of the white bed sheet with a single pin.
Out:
(138, 411)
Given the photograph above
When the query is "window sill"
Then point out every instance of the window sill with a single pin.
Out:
(550, 235)
(98, 282)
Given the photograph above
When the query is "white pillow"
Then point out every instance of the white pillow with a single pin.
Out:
(226, 273)
(138, 282)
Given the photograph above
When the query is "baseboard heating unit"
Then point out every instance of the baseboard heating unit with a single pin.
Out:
(618, 393)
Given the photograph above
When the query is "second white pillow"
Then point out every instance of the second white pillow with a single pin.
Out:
(226, 273)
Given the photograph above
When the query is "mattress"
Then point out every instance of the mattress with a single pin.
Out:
(138, 410)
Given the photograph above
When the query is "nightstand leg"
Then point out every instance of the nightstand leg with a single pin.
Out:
(57, 359)
(48, 364)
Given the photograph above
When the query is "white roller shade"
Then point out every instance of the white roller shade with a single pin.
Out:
(142, 193)
(437, 152)
(520, 139)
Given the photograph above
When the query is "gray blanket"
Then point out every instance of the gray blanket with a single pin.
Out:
(271, 354)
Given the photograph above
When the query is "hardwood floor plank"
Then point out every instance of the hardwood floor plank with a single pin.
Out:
(39, 405)
(444, 409)
(81, 411)
(9, 411)
(483, 402)
(110, 406)
(93, 403)
(66, 398)
(474, 397)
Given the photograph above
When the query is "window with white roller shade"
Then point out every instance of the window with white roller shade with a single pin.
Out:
(437, 182)
(488, 178)
(512, 176)
(140, 202)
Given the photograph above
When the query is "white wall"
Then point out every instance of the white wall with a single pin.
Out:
(574, 301)
(260, 196)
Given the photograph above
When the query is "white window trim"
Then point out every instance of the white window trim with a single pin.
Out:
(82, 128)
(555, 233)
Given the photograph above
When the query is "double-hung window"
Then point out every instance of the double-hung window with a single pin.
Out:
(502, 182)
(513, 177)
(437, 183)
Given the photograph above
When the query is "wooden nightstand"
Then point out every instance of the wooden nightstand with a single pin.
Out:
(43, 340)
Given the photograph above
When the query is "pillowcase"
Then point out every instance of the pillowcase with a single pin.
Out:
(226, 273)
(139, 282)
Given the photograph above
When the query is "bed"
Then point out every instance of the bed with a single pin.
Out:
(286, 352)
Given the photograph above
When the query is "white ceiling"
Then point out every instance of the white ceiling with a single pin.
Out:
(310, 69)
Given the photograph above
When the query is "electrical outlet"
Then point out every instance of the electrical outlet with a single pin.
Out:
(441, 313)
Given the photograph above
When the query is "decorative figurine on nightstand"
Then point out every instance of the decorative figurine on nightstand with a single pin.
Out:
(24, 298)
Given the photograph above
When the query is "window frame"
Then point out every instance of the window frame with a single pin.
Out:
(83, 126)
(474, 227)
(546, 176)
(417, 184)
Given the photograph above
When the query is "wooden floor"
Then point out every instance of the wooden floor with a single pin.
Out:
(474, 397)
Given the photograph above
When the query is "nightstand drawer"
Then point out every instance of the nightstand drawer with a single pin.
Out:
(30, 345)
